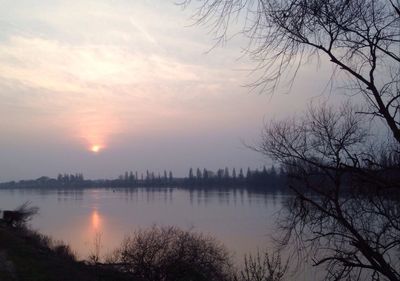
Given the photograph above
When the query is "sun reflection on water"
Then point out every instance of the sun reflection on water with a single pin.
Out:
(95, 220)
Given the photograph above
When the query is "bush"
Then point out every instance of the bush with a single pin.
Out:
(63, 251)
(45, 243)
(21, 215)
(263, 268)
(172, 254)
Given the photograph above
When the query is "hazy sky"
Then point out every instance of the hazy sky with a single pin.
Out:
(133, 78)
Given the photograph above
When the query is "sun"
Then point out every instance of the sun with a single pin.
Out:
(95, 148)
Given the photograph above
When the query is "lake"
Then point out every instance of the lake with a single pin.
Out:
(243, 220)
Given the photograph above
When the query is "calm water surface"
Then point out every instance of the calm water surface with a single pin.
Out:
(242, 220)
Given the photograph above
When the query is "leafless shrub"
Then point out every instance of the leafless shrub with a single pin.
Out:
(263, 268)
(21, 215)
(27, 212)
(172, 254)
(94, 256)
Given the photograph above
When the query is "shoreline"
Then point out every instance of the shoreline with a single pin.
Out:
(28, 255)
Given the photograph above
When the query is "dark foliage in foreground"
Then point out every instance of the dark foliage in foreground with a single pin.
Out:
(154, 254)
(263, 267)
(345, 214)
(32, 256)
(20, 215)
(171, 254)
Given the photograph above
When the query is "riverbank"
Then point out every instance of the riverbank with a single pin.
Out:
(26, 255)
(152, 254)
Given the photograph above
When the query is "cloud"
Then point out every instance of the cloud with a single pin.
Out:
(81, 73)
(53, 65)
(145, 34)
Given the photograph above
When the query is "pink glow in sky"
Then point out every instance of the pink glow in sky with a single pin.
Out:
(130, 81)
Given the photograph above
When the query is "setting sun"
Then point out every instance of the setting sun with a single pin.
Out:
(95, 148)
(95, 130)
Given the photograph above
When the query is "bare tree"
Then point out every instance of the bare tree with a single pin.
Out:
(361, 38)
(172, 254)
(345, 214)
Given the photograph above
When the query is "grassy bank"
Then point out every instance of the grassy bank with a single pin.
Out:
(26, 255)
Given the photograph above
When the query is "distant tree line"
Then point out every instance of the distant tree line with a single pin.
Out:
(268, 179)
(265, 179)
(147, 179)
(62, 180)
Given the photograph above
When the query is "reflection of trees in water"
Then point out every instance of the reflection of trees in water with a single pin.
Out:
(191, 195)
(229, 196)
(241, 192)
(273, 195)
(223, 197)
(150, 195)
(199, 196)
(165, 195)
(67, 194)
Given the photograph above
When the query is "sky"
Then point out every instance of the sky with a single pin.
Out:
(102, 87)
